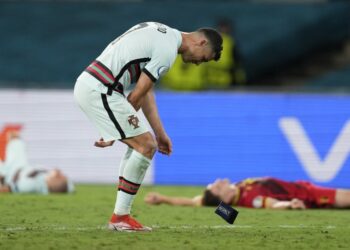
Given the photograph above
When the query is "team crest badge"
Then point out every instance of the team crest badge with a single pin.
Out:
(134, 121)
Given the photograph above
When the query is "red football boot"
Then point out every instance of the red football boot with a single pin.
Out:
(126, 223)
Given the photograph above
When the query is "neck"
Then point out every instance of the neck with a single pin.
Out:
(235, 194)
(186, 38)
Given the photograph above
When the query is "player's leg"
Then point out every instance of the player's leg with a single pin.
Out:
(16, 154)
(116, 119)
(124, 160)
(134, 170)
(134, 133)
(122, 167)
(342, 198)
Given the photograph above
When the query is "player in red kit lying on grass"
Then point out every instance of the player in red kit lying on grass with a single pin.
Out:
(261, 193)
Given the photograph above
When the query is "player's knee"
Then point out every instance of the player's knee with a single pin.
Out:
(148, 147)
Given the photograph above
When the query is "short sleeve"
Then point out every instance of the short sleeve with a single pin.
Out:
(258, 202)
(161, 61)
(32, 185)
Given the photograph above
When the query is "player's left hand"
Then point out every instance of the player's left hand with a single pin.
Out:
(165, 145)
(102, 144)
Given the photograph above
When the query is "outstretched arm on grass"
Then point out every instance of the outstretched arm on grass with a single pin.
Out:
(156, 199)
(277, 204)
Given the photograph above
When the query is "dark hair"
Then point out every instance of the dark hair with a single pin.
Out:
(209, 199)
(215, 40)
(58, 187)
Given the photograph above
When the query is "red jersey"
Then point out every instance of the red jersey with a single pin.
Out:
(253, 193)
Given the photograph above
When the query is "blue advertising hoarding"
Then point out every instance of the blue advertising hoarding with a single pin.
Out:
(238, 135)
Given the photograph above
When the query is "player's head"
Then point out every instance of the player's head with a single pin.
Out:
(203, 45)
(220, 190)
(57, 182)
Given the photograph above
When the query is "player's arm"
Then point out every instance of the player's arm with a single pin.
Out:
(278, 204)
(156, 199)
(143, 86)
(150, 110)
(342, 198)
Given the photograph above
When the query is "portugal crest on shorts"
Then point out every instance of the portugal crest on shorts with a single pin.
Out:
(134, 121)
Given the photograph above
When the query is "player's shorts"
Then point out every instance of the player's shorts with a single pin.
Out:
(320, 197)
(114, 117)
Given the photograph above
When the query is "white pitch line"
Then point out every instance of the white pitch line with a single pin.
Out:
(184, 227)
(53, 228)
(241, 226)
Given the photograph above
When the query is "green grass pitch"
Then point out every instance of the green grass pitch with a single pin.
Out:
(79, 221)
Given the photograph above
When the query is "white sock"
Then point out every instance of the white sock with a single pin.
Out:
(124, 161)
(133, 173)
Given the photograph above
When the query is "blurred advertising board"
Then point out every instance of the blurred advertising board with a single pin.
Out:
(215, 135)
(59, 135)
(240, 135)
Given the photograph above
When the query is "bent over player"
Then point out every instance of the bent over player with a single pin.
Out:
(135, 60)
(262, 193)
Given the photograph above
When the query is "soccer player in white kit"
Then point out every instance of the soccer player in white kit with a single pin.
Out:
(18, 176)
(136, 60)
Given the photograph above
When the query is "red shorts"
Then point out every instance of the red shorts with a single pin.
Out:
(319, 196)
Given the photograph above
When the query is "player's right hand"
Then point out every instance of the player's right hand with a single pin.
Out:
(102, 144)
(165, 145)
(297, 204)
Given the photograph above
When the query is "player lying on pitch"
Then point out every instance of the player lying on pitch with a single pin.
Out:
(17, 176)
(261, 193)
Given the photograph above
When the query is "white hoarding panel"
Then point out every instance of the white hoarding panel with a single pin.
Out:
(58, 134)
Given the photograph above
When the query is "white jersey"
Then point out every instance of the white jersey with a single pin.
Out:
(149, 47)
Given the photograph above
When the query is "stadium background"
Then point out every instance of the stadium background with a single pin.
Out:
(292, 129)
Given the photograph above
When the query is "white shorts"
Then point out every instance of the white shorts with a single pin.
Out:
(114, 117)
